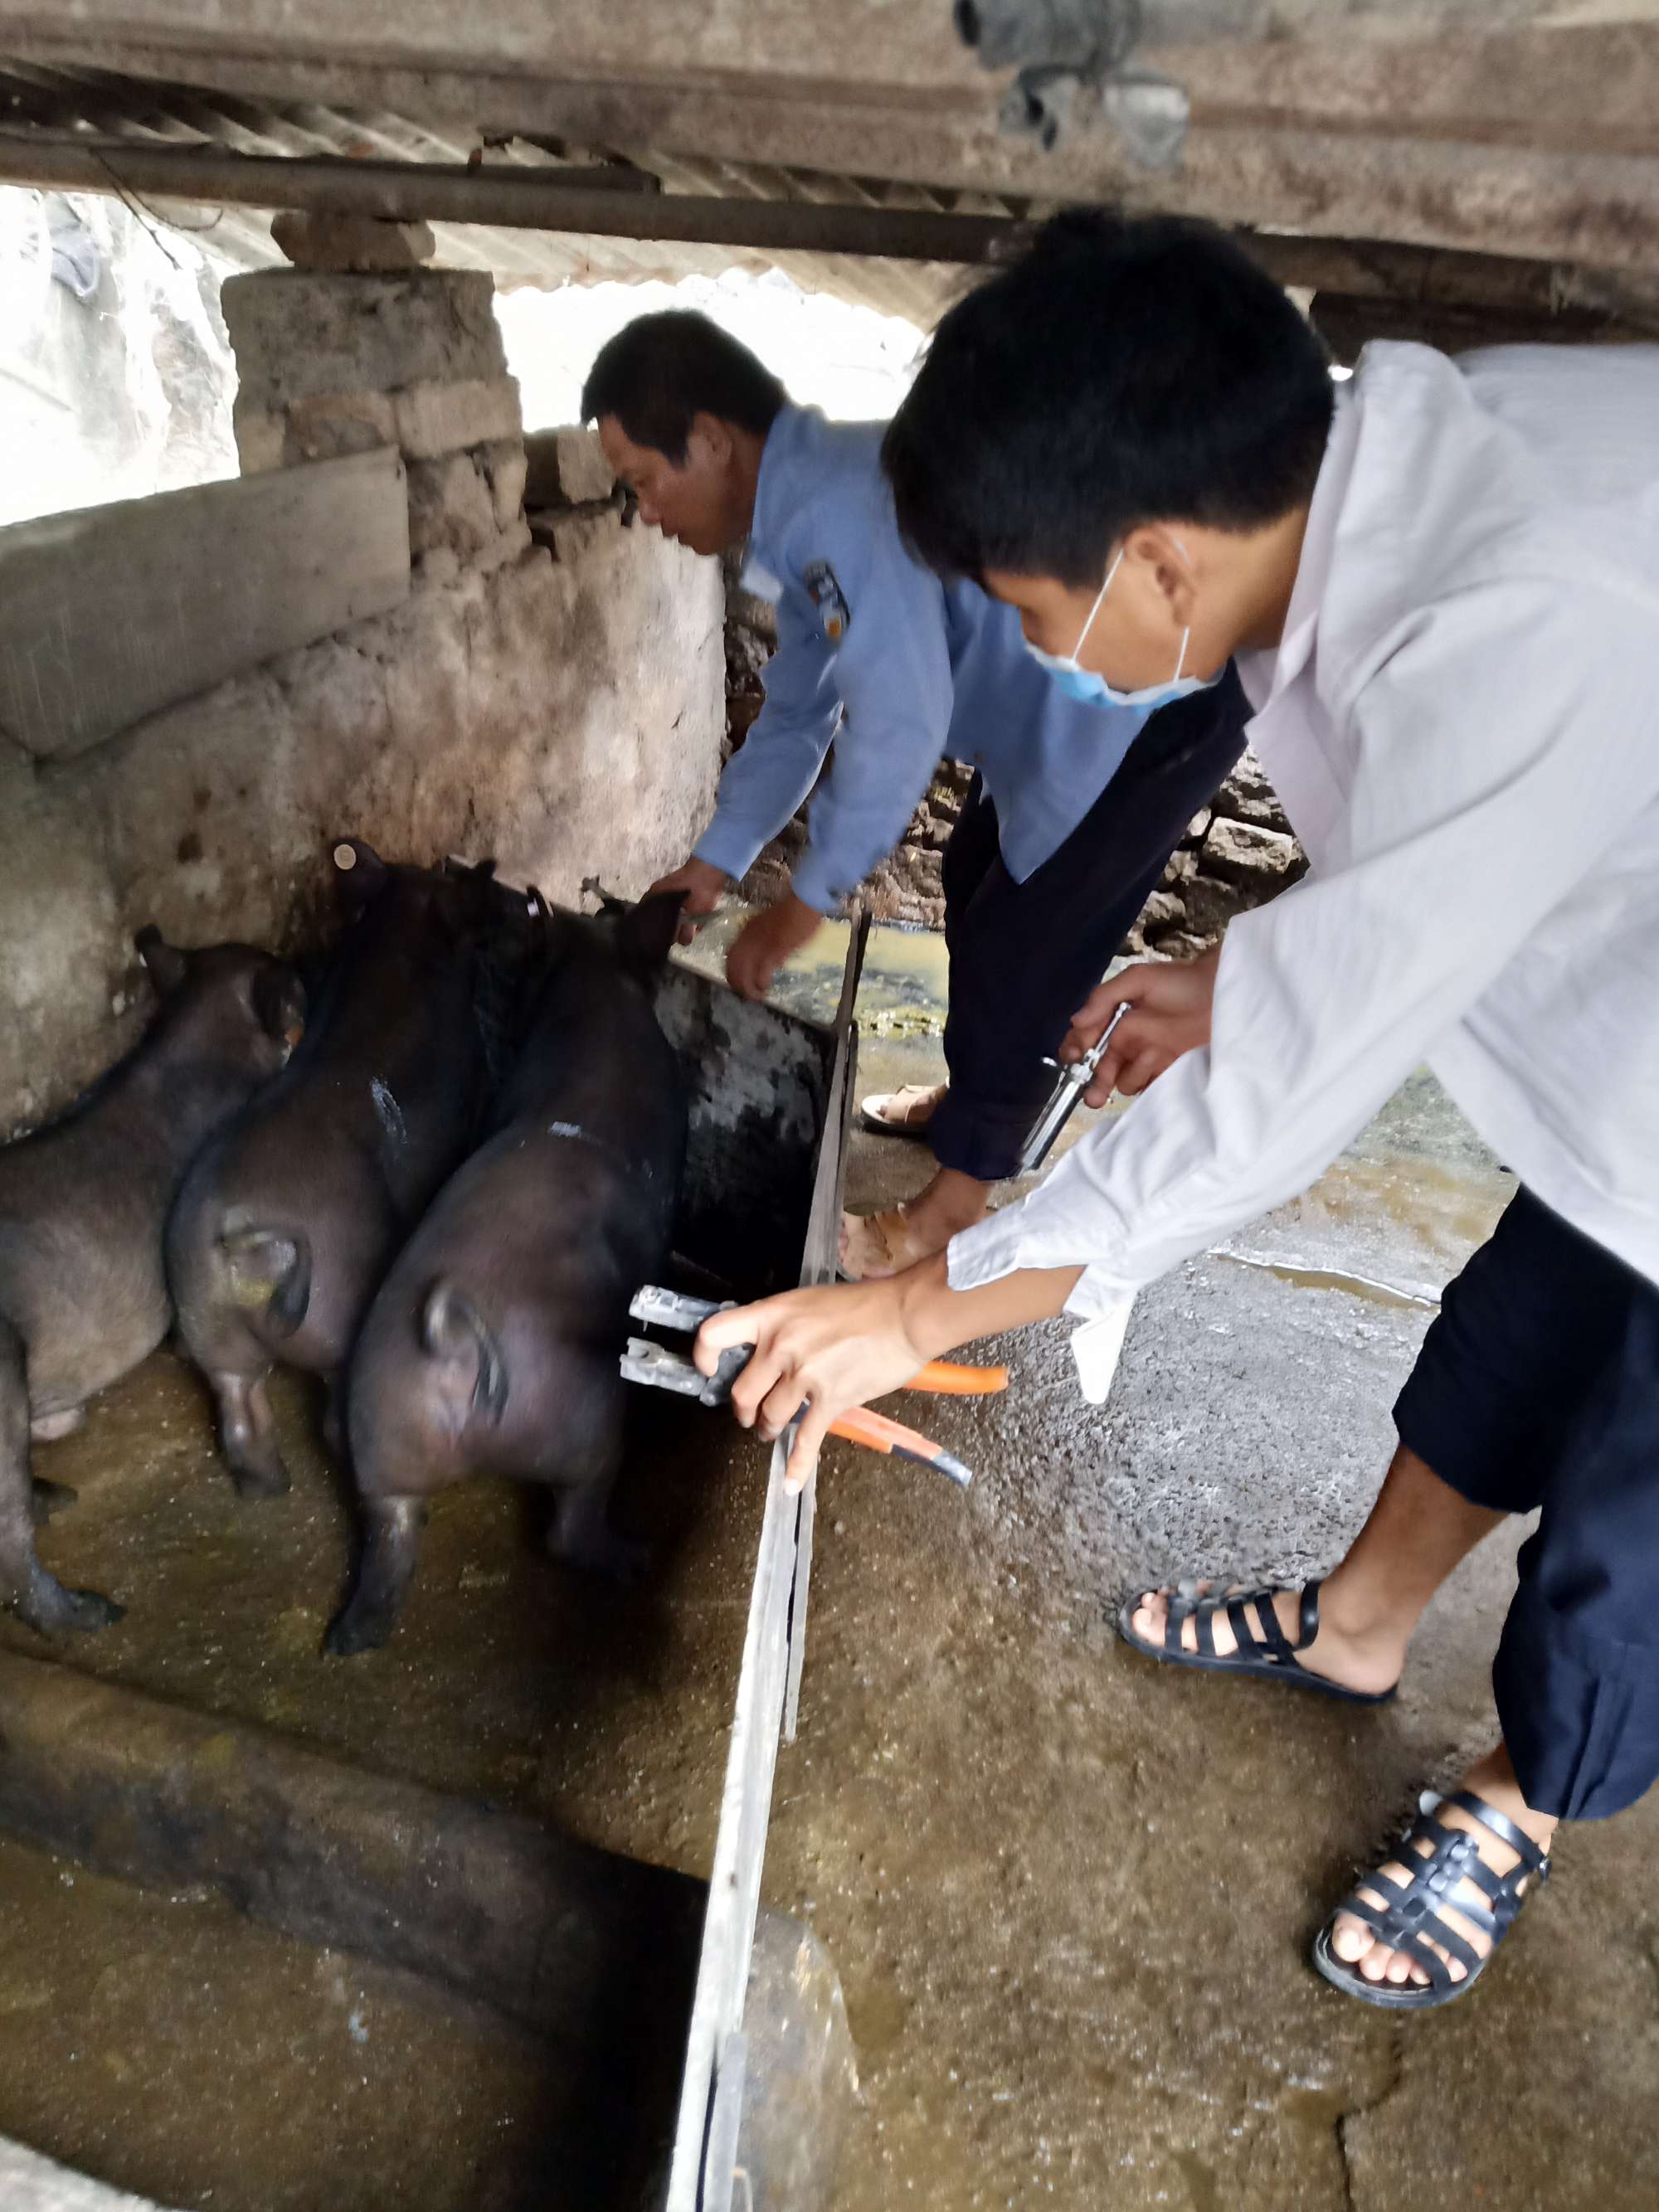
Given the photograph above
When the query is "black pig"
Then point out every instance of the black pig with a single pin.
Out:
(493, 1345)
(82, 1206)
(290, 1218)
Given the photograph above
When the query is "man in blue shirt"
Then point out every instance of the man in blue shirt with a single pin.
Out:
(1072, 813)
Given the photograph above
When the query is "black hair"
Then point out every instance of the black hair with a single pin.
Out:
(660, 372)
(1124, 371)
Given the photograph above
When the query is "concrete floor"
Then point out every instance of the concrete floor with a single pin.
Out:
(1070, 1894)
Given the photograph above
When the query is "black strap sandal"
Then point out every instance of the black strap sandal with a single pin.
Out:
(1411, 1921)
(1263, 1647)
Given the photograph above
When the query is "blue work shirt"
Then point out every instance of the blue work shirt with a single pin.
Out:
(878, 657)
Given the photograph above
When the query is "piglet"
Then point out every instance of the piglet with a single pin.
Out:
(493, 1346)
(290, 1218)
(83, 1203)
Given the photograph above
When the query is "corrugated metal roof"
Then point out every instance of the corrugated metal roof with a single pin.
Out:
(184, 116)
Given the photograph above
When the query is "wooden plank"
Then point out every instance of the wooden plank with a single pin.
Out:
(109, 614)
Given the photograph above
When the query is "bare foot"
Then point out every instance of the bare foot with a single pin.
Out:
(1368, 1660)
(875, 1245)
(1360, 1947)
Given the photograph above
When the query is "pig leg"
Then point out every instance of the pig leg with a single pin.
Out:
(386, 1568)
(334, 1419)
(49, 1497)
(38, 1597)
(581, 1531)
(248, 1432)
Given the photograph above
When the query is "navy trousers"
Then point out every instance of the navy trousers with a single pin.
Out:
(1025, 957)
(1538, 1386)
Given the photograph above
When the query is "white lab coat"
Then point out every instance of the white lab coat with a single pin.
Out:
(1462, 722)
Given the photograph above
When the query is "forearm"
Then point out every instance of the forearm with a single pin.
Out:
(762, 786)
(937, 1319)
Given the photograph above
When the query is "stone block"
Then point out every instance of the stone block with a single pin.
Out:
(433, 419)
(567, 468)
(357, 243)
(439, 570)
(261, 436)
(507, 545)
(1247, 796)
(1182, 866)
(505, 465)
(300, 333)
(450, 504)
(1161, 910)
(323, 428)
(1211, 905)
(1240, 853)
(147, 602)
(574, 537)
(337, 422)
(1198, 828)
(907, 887)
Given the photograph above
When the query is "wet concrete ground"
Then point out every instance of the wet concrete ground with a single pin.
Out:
(1070, 1894)
(1090, 1882)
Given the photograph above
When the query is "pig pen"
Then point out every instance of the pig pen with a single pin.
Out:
(423, 1928)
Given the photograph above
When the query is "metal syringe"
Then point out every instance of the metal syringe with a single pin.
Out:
(1075, 1077)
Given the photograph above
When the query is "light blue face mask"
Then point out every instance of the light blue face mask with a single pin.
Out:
(1082, 683)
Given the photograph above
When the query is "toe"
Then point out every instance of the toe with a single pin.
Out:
(1351, 1939)
(1150, 1614)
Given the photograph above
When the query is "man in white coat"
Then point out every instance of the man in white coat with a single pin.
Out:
(1441, 585)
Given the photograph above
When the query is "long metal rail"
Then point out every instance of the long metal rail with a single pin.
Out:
(703, 2175)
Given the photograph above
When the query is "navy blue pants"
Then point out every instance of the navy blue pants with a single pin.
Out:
(1025, 957)
(1537, 1386)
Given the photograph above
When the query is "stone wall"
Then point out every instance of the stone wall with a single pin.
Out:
(1237, 853)
(552, 698)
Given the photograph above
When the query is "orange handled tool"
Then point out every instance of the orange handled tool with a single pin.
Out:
(654, 1363)
(877, 1433)
(946, 1380)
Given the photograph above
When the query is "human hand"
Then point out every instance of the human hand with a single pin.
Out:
(1168, 1003)
(766, 941)
(817, 1353)
(701, 883)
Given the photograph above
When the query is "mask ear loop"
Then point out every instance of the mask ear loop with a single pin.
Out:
(1082, 635)
(1181, 658)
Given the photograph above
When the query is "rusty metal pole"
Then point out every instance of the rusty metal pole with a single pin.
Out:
(513, 197)
(620, 204)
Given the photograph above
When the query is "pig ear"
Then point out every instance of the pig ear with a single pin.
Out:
(359, 870)
(454, 1333)
(645, 932)
(279, 1001)
(167, 964)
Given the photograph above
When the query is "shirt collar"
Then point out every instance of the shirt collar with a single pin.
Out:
(773, 497)
(1313, 568)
